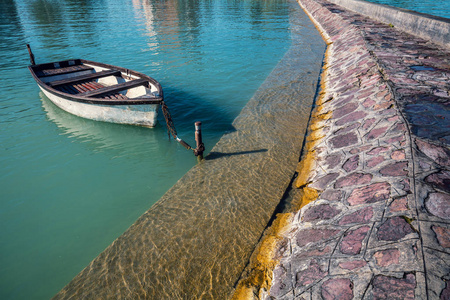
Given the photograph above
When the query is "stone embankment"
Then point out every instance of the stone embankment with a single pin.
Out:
(374, 177)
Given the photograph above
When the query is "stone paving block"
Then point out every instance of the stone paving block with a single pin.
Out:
(349, 265)
(321, 211)
(379, 149)
(438, 204)
(400, 187)
(439, 180)
(400, 140)
(351, 163)
(422, 192)
(345, 129)
(391, 230)
(436, 235)
(399, 206)
(344, 110)
(324, 250)
(396, 257)
(283, 279)
(351, 117)
(332, 195)
(337, 288)
(442, 234)
(390, 287)
(394, 229)
(354, 240)
(363, 215)
(375, 161)
(372, 193)
(332, 160)
(395, 169)
(308, 273)
(353, 179)
(424, 166)
(306, 236)
(324, 181)
(445, 293)
(437, 271)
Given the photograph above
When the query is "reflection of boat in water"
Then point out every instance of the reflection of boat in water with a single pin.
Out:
(105, 135)
(99, 91)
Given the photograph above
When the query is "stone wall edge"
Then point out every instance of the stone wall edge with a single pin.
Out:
(435, 29)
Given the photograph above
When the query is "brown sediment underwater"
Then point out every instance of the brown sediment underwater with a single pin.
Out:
(257, 278)
(197, 239)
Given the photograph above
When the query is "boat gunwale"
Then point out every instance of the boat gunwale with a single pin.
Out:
(101, 101)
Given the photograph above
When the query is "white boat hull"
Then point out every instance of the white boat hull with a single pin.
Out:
(137, 114)
(100, 92)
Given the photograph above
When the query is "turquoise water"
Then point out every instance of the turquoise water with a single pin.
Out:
(69, 186)
(440, 8)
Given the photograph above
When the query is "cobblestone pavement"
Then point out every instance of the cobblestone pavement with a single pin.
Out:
(377, 164)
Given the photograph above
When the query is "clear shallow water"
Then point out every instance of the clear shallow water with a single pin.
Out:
(69, 186)
(195, 242)
(440, 8)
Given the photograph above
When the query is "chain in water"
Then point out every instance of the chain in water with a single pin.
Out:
(171, 126)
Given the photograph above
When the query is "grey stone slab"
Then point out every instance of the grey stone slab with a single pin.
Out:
(437, 271)
(436, 235)
(426, 208)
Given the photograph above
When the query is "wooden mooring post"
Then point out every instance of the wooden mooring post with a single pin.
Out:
(198, 151)
(31, 55)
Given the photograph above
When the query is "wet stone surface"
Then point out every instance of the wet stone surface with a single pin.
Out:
(381, 168)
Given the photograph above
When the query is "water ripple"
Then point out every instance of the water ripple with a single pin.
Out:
(70, 186)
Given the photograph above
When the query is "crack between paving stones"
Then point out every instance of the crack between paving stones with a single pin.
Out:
(395, 242)
(359, 134)
(334, 250)
(367, 242)
(390, 85)
(441, 251)
(384, 210)
(398, 194)
(415, 192)
(426, 173)
(433, 221)
(368, 285)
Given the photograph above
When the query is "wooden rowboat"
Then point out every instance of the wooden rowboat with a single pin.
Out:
(106, 93)
(99, 91)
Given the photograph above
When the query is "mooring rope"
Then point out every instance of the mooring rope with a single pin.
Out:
(171, 126)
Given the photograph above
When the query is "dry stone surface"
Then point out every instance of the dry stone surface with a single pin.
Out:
(380, 226)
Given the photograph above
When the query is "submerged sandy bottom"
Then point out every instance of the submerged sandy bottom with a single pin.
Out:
(196, 240)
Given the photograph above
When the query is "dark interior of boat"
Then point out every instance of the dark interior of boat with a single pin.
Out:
(85, 85)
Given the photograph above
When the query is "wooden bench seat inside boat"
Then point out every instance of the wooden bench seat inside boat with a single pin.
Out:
(64, 70)
(114, 88)
(86, 77)
(82, 87)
